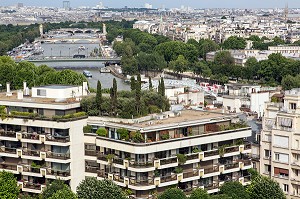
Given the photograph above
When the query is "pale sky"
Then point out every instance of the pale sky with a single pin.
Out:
(166, 3)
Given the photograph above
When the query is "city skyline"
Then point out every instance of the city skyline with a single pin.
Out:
(164, 3)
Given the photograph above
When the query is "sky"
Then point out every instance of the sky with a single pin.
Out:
(159, 3)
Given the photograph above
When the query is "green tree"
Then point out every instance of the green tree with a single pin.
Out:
(8, 186)
(235, 190)
(223, 58)
(99, 96)
(150, 83)
(64, 193)
(132, 83)
(264, 188)
(180, 64)
(199, 194)
(173, 193)
(52, 188)
(138, 91)
(91, 188)
(234, 42)
(207, 45)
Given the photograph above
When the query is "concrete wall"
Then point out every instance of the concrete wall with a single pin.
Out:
(257, 102)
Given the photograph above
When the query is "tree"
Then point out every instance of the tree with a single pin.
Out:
(91, 188)
(223, 58)
(138, 90)
(205, 46)
(199, 194)
(235, 190)
(64, 193)
(52, 188)
(150, 84)
(173, 193)
(161, 90)
(99, 96)
(8, 186)
(234, 42)
(132, 83)
(180, 65)
(223, 17)
(264, 188)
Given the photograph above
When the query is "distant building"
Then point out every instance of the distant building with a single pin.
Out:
(66, 5)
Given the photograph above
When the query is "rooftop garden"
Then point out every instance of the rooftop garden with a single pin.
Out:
(126, 104)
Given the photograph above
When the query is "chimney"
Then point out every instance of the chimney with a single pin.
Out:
(20, 94)
(84, 88)
(24, 86)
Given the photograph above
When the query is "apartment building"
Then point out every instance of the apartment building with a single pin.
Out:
(279, 146)
(41, 135)
(187, 148)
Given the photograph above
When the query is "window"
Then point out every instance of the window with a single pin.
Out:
(267, 154)
(297, 144)
(281, 173)
(293, 106)
(267, 168)
(286, 188)
(281, 141)
(268, 138)
(281, 157)
(41, 92)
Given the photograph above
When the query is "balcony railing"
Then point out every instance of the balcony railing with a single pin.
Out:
(231, 149)
(190, 174)
(102, 174)
(62, 173)
(62, 156)
(231, 166)
(141, 182)
(101, 156)
(62, 139)
(8, 166)
(211, 186)
(168, 178)
(211, 153)
(118, 161)
(31, 169)
(118, 178)
(90, 152)
(11, 134)
(91, 169)
(31, 136)
(29, 152)
(247, 146)
(141, 164)
(168, 161)
(8, 150)
(208, 170)
(32, 185)
(192, 156)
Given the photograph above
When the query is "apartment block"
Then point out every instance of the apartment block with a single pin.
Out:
(188, 149)
(41, 135)
(279, 146)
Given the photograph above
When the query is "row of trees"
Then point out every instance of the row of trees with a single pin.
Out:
(126, 104)
(17, 73)
(261, 187)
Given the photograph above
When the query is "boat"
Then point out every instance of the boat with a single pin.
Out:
(87, 73)
(81, 48)
(63, 41)
(105, 70)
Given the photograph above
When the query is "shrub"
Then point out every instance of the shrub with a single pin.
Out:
(102, 132)
(132, 134)
(178, 170)
(234, 189)
(199, 193)
(87, 129)
(138, 138)
(181, 158)
(196, 149)
(124, 134)
(165, 136)
(110, 157)
(173, 193)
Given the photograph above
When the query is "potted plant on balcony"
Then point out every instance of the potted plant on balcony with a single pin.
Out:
(181, 158)
(178, 170)
(156, 173)
(165, 136)
(87, 129)
(138, 138)
(124, 134)
(110, 157)
(196, 149)
(102, 132)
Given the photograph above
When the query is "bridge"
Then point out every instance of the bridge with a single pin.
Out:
(68, 40)
(66, 59)
(76, 31)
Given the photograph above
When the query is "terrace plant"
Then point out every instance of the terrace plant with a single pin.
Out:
(138, 138)
(196, 149)
(87, 129)
(102, 132)
(178, 170)
(124, 134)
(165, 136)
(181, 158)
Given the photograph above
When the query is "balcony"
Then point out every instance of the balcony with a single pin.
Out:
(212, 188)
(9, 152)
(91, 169)
(90, 153)
(167, 180)
(31, 169)
(102, 174)
(32, 187)
(61, 156)
(210, 155)
(230, 151)
(118, 178)
(231, 167)
(168, 162)
(141, 184)
(118, 161)
(8, 135)
(28, 152)
(60, 173)
(190, 175)
(137, 164)
(57, 138)
(11, 167)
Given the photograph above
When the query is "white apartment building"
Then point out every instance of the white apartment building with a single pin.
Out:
(41, 137)
(280, 149)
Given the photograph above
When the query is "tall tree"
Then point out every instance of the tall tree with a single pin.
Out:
(150, 84)
(235, 190)
(113, 96)
(99, 96)
(91, 188)
(234, 42)
(138, 93)
(162, 84)
(173, 193)
(8, 186)
(132, 83)
(52, 188)
(223, 58)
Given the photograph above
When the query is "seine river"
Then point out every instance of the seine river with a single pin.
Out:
(66, 49)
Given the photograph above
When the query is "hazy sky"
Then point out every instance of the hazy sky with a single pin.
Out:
(166, 3)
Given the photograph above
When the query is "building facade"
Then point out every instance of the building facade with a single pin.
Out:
(280, 150)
